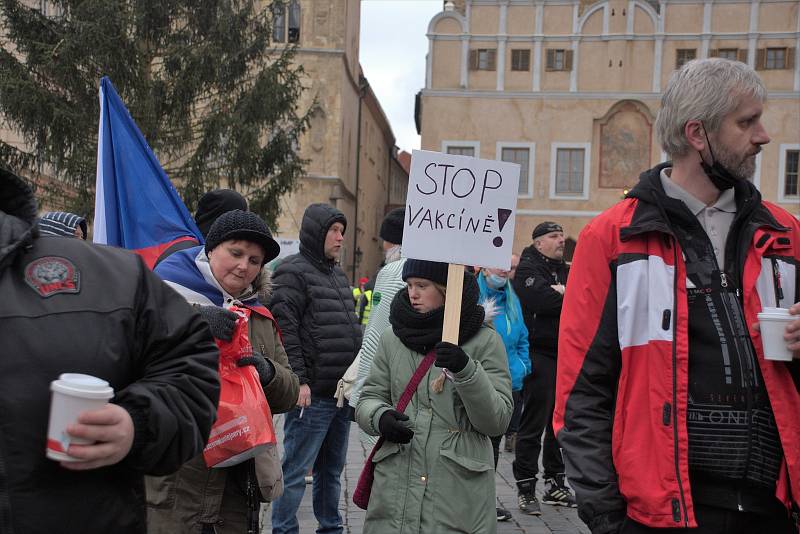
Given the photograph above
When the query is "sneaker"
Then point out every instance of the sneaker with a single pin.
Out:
(529, 504)
(510, 442)
(503, 514)
(557, 494)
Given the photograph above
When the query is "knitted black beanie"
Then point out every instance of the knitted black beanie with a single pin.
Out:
(434, 271)
(392, 226)
(244, 225)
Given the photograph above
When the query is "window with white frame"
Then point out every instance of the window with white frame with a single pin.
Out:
(569, 171)
(522, 154)
(788, 176)
(462, 148)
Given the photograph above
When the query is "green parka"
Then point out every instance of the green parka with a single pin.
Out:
(443, 480)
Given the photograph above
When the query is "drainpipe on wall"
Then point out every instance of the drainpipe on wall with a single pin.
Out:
(363, 85)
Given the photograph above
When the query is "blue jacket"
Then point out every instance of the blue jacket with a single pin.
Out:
(513, 332)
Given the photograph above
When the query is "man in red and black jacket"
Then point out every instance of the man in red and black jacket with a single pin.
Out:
(668, 414)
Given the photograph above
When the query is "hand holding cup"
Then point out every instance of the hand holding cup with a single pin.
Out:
(109, 431)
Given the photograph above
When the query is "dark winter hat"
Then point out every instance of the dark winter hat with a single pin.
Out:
(61, 223)
(215, 203)
(434, 271)
(392, 226)
(245, 225)
(545, 228)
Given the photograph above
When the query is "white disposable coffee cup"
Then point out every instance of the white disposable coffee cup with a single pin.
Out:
(72, 394)
(772, 322)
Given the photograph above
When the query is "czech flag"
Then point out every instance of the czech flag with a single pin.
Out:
(136, 207)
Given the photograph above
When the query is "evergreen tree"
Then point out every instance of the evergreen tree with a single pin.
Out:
(217, 104)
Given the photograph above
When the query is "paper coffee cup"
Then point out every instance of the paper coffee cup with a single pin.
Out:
(773, 323)
(72, 394)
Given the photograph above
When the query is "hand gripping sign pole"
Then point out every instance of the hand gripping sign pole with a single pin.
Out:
(452, 314)
(459, 210)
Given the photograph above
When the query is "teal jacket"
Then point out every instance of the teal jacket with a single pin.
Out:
(511, 328)
(443, 480)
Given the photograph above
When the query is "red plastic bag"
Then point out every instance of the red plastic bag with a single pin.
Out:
(243, 428)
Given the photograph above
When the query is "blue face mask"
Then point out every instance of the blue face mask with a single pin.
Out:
(495, 281)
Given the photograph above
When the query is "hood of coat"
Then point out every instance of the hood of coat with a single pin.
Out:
(263, 284)
(17, 216)
(491, 310)
(317, 219)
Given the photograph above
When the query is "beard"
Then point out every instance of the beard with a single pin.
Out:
(742, 168)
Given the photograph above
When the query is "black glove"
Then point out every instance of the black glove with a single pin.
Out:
(221, 321)
(450, 356)
(392, 429)
(264, 367)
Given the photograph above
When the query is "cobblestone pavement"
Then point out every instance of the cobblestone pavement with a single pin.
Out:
(554, 519)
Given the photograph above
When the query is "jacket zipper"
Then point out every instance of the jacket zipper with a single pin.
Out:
(675, 387)
(776, 280)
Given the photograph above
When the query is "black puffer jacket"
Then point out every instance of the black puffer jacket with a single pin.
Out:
(313, 304)
(541, 304)
(70, 306)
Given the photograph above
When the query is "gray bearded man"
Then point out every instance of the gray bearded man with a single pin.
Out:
(669, 416)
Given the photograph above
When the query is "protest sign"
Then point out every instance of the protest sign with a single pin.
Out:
(460, 210)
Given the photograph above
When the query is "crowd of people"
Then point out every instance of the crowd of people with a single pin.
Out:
(636, 371)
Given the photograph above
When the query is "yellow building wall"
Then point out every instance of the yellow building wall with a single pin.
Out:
(484, 20)
(642, 23)
(446, 72)
(521, 20)
(557, 19)
(684, 18)
(778, 17)
(730, 18)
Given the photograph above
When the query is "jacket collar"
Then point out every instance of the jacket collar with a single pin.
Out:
(17, 216)
(530, 252)
(655, 210)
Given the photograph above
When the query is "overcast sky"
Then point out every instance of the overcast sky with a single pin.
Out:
(393, 49)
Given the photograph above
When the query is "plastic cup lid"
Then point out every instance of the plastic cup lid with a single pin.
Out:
(83, 385)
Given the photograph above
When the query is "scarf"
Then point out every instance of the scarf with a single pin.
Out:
(421, 331)
(189, 273)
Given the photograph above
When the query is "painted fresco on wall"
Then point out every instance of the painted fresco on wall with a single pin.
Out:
(625, 136)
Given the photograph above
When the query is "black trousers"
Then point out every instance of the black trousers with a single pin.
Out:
(538, 401)
(712, 520)
(496, 439)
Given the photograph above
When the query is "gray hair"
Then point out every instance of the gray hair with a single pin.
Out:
(706, 90)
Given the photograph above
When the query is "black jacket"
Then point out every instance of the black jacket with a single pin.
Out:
(541, 304)
(70, 306)
(313, 304)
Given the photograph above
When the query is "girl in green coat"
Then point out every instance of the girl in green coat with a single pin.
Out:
(435, 470)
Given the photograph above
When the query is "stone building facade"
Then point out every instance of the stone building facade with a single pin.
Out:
(350, 145)
(570, 90)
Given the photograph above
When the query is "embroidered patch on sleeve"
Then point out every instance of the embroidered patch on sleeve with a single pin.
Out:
(52, 275)
(376, 298)
(529, 281)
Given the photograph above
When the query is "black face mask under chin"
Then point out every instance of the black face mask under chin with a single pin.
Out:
(721, 177)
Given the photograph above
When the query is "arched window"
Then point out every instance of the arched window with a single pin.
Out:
(281, 14)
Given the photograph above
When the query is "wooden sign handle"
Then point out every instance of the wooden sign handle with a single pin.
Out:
(452, 303)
